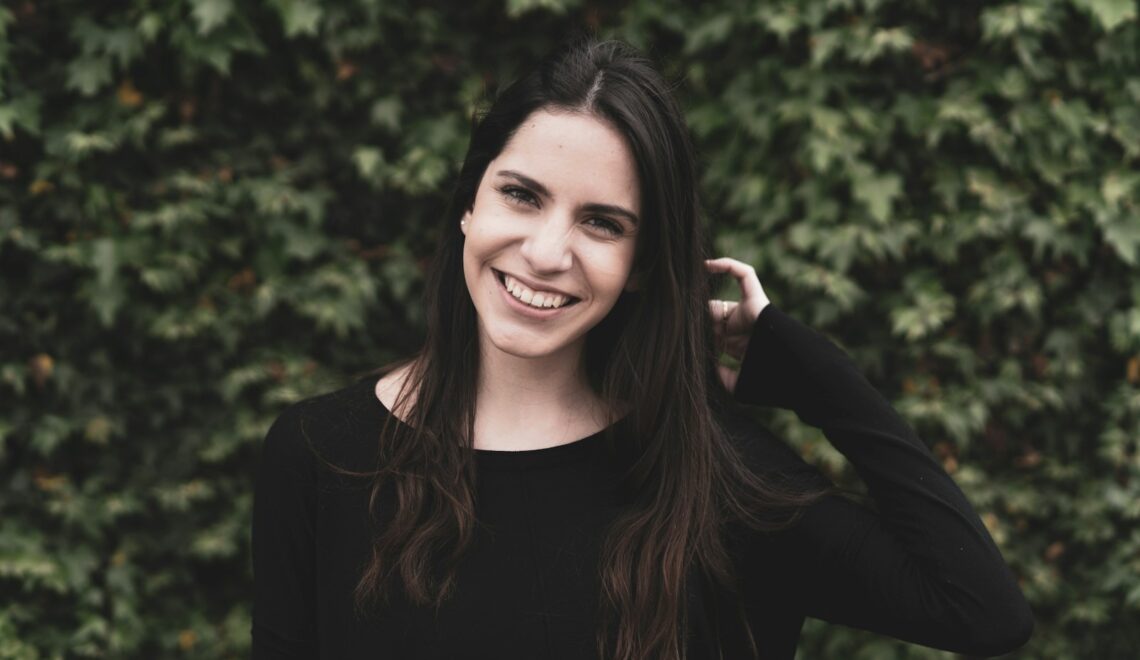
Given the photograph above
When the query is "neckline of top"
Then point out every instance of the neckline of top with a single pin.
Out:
(506, 459)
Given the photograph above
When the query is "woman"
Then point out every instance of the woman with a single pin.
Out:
(560, 471)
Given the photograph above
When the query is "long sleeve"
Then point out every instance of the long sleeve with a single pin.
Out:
(922, 567)
(283, 544)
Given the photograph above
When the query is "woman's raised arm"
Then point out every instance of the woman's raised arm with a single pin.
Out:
(921, 567)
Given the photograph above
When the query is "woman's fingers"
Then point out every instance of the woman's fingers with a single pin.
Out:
(722, 310)
(728, 321)
(753, 299)
(733, 321)
(744, 274)
(731, 328)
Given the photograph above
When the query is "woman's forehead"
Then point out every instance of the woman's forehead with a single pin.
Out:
(574, 155)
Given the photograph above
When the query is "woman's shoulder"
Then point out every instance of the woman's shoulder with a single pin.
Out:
(388, 389)
(337, 424)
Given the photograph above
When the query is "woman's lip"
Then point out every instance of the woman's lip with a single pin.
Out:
(523, 308)
(532, 287)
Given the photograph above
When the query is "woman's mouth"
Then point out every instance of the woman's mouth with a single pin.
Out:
(541, 304)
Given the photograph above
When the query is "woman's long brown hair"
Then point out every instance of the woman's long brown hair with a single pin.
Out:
(653, 354)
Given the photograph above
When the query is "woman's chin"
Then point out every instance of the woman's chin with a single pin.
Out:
(527, 346)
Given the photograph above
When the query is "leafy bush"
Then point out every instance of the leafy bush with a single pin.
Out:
(212, 208)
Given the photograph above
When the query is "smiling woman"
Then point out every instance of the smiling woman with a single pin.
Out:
(560, 232)
(563, 471)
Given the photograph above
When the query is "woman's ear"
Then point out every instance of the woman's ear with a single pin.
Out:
(464, 220)
(634, 282)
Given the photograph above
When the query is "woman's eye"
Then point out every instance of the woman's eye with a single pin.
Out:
(519, 195)
(609, 226)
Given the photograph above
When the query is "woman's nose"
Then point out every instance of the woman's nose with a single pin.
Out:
(547, 247)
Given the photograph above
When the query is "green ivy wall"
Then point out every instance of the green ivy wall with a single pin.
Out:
(212, 208)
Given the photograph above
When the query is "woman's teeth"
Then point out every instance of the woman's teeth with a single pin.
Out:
(518, 290)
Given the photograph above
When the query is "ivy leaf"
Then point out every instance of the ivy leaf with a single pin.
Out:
(876, 191)
(885, 41)
(299, 16)
(87, 74)
(1109, 13)
(368, 162)
(49, 433)
(993, 193)
(1124, 329)
(23, 112)
(386, 113)
(149, 25)
(105, 293)
(930, 306)
(123, 44)
(782, 24)
(516, 8)
(712, 31)
(1117, 185)
(1123, 235)
(209, 14)
(824, 44)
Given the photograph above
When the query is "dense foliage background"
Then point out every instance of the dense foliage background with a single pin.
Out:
(211, 208)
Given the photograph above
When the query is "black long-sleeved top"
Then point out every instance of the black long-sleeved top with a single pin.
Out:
(921, 567)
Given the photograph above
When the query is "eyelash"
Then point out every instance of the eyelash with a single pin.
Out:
(524, 196)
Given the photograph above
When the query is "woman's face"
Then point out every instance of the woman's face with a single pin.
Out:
(555, 219)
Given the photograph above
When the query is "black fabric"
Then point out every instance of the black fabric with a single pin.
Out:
(920, 566)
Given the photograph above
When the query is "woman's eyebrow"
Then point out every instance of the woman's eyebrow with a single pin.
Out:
(591, 208)
(526, 181)
(610, 209)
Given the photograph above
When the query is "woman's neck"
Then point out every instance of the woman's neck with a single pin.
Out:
(531, 403)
